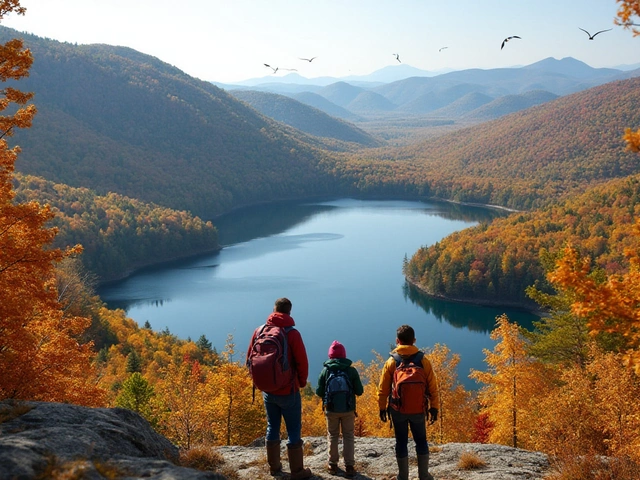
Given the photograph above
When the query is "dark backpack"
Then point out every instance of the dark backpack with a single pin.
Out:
(409, 388)
(268, 359)
(338, 392)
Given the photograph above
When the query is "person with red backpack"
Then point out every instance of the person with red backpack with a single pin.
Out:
(338, 384)
(407, 394)
(278, 364)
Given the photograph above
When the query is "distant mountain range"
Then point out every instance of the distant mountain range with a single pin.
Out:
(387, 74)
(447, 95)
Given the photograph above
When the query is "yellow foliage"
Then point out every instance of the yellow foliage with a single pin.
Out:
(514, 386)
(633, 140)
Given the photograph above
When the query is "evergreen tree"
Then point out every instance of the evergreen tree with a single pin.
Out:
(134, 362)
(136, 395)
(203, 344)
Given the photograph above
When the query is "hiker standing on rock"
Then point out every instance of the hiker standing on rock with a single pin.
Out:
(407, 394)
(338, 385)
(278, 364)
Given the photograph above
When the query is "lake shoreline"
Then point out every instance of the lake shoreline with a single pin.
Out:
(479, 302)
(145, 265)
(139, 267)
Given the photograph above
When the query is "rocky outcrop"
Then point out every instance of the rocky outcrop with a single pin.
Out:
(375, 459)
(52, 440)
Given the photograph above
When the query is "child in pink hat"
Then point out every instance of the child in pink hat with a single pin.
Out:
(338, 384)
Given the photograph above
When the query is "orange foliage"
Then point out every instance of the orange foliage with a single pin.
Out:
(626, 11)
(592, 410)
(610, 306)
(633, 140)
(40, 355)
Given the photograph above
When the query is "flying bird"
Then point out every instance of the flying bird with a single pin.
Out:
(591, 36)
(507, 39)
(307, 59)
(275, 69)
(442, 49)
(397, 55)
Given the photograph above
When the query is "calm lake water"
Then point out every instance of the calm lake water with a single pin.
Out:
(339, 262)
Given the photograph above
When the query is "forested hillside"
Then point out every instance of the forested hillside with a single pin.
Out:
(115, 120)
(118, 234)
(524, 160)
(303, 117)
(496, 262)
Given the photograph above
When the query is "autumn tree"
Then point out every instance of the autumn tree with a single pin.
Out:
(455, 415)
(368, 420)
(610, 305)
(236, 418)
(184, 397)
(627, 10)
(40, 354)
(513, 384)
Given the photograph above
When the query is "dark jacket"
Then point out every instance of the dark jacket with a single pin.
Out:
(352, 373)
(297, 352)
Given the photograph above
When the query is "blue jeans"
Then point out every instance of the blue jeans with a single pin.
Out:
(288, 407)
(401, 424)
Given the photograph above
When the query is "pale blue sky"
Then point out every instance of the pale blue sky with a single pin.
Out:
(230, 40)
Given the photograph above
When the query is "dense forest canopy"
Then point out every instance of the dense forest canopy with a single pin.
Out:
(496, 262)
(118, 234)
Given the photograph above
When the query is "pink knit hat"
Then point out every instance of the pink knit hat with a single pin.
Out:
(336, 350)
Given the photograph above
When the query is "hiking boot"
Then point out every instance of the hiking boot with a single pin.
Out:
(423, 467)
(403, 468)
(273, 457)
(333, 469)
(296, 462)
(351, 471)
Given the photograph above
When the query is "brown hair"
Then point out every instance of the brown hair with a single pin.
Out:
(283, 305)
(405, 335)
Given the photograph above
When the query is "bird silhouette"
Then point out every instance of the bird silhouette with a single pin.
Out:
(507, 39)
(397, 57)
(591, 36)
(275, 69)
(442, 49)
(307, 59)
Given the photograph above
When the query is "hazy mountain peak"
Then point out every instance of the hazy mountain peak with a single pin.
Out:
(569, 66)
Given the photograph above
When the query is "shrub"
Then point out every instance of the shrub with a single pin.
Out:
(592, 467)
(470, 461)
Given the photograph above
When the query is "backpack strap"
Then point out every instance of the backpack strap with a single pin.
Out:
(416, 358)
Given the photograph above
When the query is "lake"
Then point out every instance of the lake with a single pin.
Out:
(338, 261)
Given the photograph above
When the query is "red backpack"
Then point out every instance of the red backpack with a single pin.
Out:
(268, 359)
(409, 388)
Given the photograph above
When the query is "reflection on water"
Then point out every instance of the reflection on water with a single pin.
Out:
(478, 318)
(264, 220)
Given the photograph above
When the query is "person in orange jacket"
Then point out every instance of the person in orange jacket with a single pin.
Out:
(389, 402)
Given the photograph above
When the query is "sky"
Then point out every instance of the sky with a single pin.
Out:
(231, 40)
